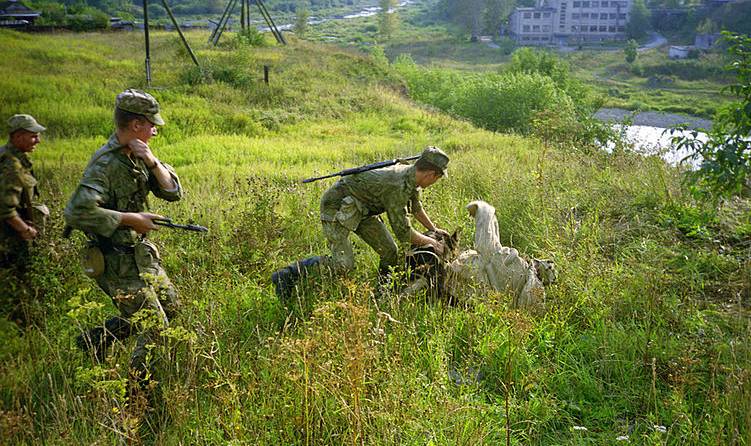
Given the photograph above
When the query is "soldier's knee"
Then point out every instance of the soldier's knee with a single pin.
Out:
(390, 256)
(344, 265)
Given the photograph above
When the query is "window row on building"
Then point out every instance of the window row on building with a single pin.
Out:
(601, 16)
(597, 29)
(536, 28)
(600, 4)
(537, 15)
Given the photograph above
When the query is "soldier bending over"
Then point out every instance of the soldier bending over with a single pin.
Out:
(354, 204)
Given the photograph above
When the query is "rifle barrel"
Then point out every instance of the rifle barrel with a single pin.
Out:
(360, 169)
(169, 224)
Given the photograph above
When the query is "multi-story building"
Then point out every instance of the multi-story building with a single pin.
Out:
(554, 22)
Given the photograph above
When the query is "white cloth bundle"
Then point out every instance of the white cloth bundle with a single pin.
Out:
(494, 265)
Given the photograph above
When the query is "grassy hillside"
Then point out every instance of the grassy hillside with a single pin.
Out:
(646, 334)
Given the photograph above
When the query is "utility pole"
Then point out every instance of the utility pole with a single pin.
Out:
(146, 36)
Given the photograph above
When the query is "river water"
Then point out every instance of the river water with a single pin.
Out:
(365, 12)
(649, 132)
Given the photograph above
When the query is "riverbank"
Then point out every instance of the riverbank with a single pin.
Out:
(661, 120)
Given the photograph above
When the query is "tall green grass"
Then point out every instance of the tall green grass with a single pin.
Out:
(647, 327)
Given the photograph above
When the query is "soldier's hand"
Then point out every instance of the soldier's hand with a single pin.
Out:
(437, 246)
(28, 234)
(141, 222)
(440, 231)
(142, 150)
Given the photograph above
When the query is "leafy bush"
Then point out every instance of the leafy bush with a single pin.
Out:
(251, 37)
(689, 70)
(726, 154)
(536, 61)
(498, 102)
(52, 14)
(508, 102)
(88, 19)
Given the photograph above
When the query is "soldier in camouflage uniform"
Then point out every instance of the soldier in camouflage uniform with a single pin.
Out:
(110, 206)
(22, 218)
(354, 203)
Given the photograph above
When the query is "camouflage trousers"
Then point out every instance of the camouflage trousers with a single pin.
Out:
(372, 231)
(137, 282)
(15, 299)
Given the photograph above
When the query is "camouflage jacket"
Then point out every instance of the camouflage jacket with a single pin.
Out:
(18, 187)
(113, 183)
(391, 190)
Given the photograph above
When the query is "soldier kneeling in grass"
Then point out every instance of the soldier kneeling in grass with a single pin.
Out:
(354, 204)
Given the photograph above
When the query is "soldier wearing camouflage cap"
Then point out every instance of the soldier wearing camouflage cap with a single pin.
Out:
(354, 204)
(110, 207)
(22, 218)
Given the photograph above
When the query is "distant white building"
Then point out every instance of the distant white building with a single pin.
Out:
(554, 22)
(706, 41)
(678, 52)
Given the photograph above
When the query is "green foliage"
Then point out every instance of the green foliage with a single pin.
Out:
(379, 56)
(726, 154)
(88, 19)
(639, 21)
(302, 14)
(535, 61)
(476, 16)
(52, 14)
(734, 17)
(387, 19)
(507, 45)
(646, 327)
(509, 102)
(707, 26)
(630, 51)
(251, 37)
(534, 82)
(531, 60)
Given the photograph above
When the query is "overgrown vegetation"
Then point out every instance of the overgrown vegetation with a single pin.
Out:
(646, 335)
(725, 156)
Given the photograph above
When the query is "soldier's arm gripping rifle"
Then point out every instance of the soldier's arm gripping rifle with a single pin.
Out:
(365, 168)
(167, 222)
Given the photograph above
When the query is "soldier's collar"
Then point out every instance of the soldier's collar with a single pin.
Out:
(22, 156)
(114, 143)
(410, 179)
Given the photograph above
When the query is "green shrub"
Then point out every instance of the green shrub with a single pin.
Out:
(508, 102)
(251, 37)
(88, 19)
(52, 14)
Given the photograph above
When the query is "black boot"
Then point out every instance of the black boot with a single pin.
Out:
(287, 278)
(99, 339)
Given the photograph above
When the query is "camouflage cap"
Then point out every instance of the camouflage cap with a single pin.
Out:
(436, 157)
(140, 103)
(25, 122)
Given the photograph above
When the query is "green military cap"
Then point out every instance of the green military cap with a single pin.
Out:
(436, 157)
(25, 122)
(140, 103)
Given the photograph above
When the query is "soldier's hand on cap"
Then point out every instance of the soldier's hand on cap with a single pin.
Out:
(142, 150)
(141, 222)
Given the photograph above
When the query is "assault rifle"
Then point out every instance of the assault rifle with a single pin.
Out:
(365, 168)
(167, 222)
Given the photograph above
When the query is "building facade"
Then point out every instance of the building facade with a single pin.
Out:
(15, 14)
(566, 22)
